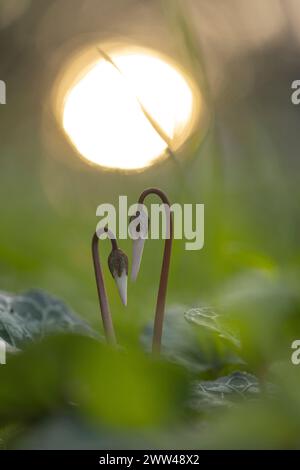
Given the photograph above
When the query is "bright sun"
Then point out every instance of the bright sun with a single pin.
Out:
(104, 118)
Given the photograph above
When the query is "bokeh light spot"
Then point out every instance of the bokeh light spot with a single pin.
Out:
(104, 112)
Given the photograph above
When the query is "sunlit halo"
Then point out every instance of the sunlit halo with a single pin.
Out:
(103, 117)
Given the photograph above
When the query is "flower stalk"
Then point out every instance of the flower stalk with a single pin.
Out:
(164, 275)
(118, 265)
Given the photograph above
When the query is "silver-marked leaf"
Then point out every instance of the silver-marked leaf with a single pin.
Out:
(225, 391)
(207, 318)
(33, 315)
(181, 344)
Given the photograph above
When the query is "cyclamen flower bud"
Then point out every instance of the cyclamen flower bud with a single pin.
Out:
(118, 266)
(138, 229)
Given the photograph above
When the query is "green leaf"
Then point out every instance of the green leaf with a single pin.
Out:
(207, 318)
(110, 387)
(33, 315)
(179, 341)
(225, 391)
(36, 381)
(129, 389)
(265, 311)
(196, 349)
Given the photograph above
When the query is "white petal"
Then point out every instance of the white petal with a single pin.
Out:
(137, 253)
(121, 282)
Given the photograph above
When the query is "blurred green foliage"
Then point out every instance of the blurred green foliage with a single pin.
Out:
(122, 389)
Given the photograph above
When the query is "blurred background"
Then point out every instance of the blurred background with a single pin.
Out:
(241, 162)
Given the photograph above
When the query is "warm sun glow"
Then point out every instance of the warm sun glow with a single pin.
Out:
(104, 118)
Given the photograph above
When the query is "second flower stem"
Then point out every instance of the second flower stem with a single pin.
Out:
(164, 275)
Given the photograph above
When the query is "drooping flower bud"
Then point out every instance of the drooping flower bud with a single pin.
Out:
(118, 266)
(138, 229)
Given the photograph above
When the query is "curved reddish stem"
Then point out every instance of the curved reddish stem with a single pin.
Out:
(164, 275)
(103, 301)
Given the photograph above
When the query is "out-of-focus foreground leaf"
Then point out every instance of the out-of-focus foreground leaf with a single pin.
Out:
(122, 389)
